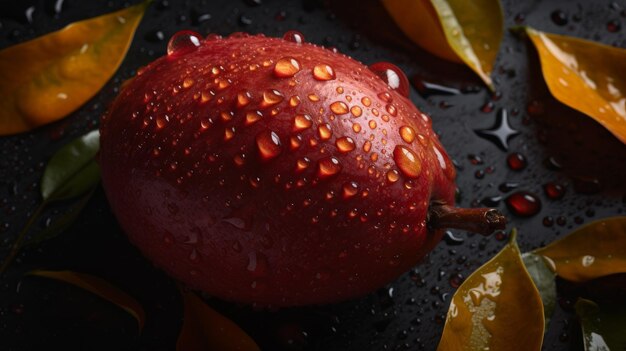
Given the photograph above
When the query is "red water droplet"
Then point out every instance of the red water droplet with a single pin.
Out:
(324, 131)
(323, 72)
(271, 97)
(516, 161)
(407, 133)
(553, 190)
(252, 117)
(268, 144)
(302, 122)
(286, 67)
(183, 42)
(339, 108)
(257, 264)
(523, 204)
(243, 98)
(345, 144)
(393, 176)
(294, 36)
(212, 36)
(302, 164)
(350, 189)
(328, 167)
(393, 76)
(407, 161)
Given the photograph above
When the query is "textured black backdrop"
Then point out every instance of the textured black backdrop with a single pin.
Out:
(560, 144)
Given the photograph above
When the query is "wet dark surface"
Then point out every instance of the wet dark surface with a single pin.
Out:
(560, 146)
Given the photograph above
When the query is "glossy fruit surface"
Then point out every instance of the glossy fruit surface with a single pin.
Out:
(267, 171)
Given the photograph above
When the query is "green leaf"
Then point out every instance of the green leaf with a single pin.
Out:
(544, 280)
(63, 222)
(456, 30)
(496, 308)
(603, 326)
(72, 171)
(205, 329)
(100, 287)
(592, 251)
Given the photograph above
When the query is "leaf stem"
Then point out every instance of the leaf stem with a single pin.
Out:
(17, 244)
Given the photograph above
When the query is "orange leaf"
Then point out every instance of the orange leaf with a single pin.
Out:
(47, 78)
(587, 76)
(100, 287)
(204, 329)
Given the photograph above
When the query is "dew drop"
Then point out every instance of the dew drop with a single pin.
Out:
(407, 133)
(516, 161)
(523, 204)
(302, 164)
(328, 167)
(243, 98)
(257, 264)
(345, 144)
(252, 117)
(183, 42)
(294, 36)
(302, 122)
(294, 101)
(349, 189)
(393, 176)
(339, 108)
(407, 161)
(356, 127)
(188, 82)
(356, 111)
(367, 102)
(271, 97)
(286, 67)
(324, 131)
(393, 76)
(553, 190)
(268, 144)
(323, 72)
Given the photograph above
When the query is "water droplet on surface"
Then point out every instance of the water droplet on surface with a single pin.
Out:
(393, 76)
(339, 108)
(286, 67)
(294, 36)
(345, 144)
(302, 164)
(324, 131)
(393, 176)
(328, 167)
(523, 204)
(516, 161)
(183, 42)
(407, 161)
(271, 97)
(252, 117)
(587, 260)
(356, 111)
(559, 17)
(613, 26)
(349, 190)
(323, 72)
(500, 132)
(243, 98)
(302, 122)
(407, 133)
(553, 190)
(268, 144)
(257, 264)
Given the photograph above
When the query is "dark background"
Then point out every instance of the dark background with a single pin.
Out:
(560, 144)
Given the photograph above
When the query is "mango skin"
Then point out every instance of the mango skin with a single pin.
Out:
(189, 184)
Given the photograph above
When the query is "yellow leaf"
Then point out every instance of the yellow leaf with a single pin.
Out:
(47, 78)
(496, 308)
(456, 30)
(204, 329)
(99, 287)
(595, 250)
(587, 76)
